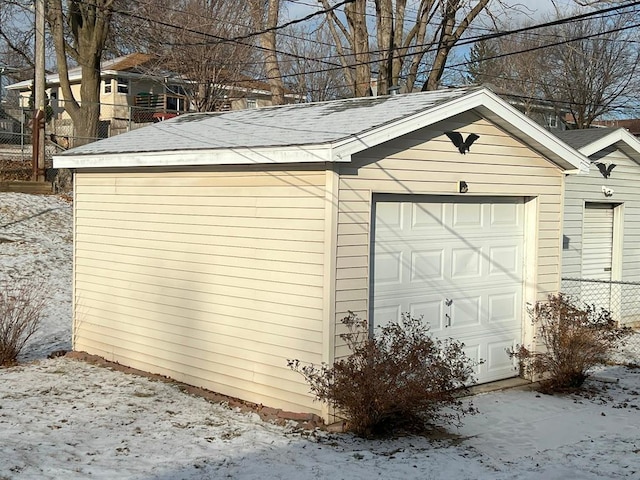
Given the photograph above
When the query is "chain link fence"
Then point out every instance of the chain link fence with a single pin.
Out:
(60, 135)
(620, 298)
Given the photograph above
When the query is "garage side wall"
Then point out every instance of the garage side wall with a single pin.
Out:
(426, 162)
(214, 278)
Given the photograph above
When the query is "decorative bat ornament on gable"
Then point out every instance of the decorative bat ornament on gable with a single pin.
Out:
(463, 145)
(605, 170)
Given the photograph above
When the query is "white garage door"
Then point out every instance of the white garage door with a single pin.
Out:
(460, 264)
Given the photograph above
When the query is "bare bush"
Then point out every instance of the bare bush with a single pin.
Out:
(21, 306)
(574, 340)
(399, 379)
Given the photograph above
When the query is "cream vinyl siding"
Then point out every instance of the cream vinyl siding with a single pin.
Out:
(214, 278)
(426, 162)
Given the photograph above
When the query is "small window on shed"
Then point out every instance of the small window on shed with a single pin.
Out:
(123, 85)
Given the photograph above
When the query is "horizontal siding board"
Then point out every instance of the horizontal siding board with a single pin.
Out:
(209, 201)
(203, 274)
(196, 252)
(185, 242)
(202, 191)
(82, 224)
(276, 213)
(211, 221)
(197, 263)
(212, 337)
(250, 302)
(190, 290)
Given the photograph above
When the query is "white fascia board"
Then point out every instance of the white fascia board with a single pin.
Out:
(233, 156)
(618, 135)
(562, 154)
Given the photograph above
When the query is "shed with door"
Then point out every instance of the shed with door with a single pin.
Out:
(601, 246)
(213, 247)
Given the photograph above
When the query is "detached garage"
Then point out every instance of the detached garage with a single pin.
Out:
(601, 256)
(213, 247)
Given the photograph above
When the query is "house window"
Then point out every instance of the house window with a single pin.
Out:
(107, 86)
(252, 103)
(123, 85)
(552, 121)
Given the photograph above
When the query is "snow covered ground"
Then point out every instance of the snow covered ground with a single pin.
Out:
(65, 419)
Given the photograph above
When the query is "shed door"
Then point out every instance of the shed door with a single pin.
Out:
(597, 253)
(457, 262)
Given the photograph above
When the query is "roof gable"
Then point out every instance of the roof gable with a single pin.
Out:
(319, 132)
(590, 141)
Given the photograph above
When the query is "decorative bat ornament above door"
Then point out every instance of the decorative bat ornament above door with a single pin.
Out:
(463, 145)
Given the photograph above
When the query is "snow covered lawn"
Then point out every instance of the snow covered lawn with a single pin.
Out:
(65, 419)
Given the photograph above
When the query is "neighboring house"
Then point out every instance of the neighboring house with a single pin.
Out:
(541, 111)
(601, 229)
(131, 96)
(632, 125)
(213, 247)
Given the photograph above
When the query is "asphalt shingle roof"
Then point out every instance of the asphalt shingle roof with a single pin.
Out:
(287, 125)
(580, 138)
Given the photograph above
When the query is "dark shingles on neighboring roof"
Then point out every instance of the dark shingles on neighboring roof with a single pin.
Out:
(580, 138)
(282, 126)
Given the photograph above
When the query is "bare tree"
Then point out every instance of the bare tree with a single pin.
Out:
(79, 31)
(16, 38)
(410, 41)
(188, 38)
(311, 66)
(586, 68)
(594, 73)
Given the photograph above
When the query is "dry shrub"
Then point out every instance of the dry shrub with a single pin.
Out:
(21, 306)
(574, 340)
(399, 379)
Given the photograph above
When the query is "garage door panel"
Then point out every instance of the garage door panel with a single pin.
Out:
(498, 363)
(388, 271)
(505, 215)
(461, 268)
(505, 260)
(467, 216)
(427, 265)
(389, 216)
(465, 263)
(465, 313)
(426, 216)
(503, 307)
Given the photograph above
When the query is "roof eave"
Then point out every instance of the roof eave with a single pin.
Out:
(231, 156)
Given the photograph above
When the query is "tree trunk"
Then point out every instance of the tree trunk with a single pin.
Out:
(89, 24)
(268, 42)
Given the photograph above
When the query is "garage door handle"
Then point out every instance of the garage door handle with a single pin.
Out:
(607, 269)
(448, 302)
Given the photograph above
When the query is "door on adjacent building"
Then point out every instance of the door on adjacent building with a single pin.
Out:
(597, 254)
(459, 263)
